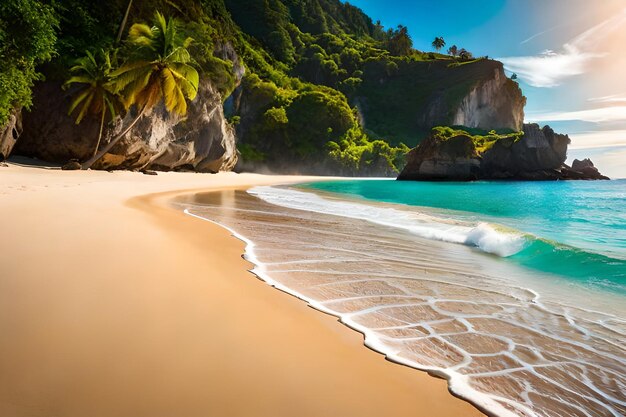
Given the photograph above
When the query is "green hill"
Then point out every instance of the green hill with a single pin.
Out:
(325, 88)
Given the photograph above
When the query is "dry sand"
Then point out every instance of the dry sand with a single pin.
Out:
(113, 304)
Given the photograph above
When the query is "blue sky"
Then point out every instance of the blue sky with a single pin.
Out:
(570, 56)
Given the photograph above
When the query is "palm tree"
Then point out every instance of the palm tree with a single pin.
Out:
(160, 70)
(123, 24)
(96, 94)
(438, 43)
(453, 50)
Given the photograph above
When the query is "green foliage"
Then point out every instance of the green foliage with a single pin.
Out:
(438, 43)
(400, 43)
(27, 38)
(307, 62)
(482, 139)
(159, 67)
(355, 154)
(96, 92)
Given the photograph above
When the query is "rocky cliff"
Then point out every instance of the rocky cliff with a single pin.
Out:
(494, 103)
(404, 103)
(454, 155)
(202, 141)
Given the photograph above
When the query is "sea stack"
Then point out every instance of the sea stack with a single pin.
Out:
(534, 154)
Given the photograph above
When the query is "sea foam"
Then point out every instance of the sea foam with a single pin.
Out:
(486, 237)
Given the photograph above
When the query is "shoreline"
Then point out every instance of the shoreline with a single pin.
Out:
(130, 309)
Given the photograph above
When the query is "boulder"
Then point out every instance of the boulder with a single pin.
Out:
(584, 169)
(71, 166)
(202, 141)
(10, 133)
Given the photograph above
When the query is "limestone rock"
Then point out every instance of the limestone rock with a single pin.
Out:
(10, 133)
(495, 103)
(201, 141)
(539, 155)
(583, 170)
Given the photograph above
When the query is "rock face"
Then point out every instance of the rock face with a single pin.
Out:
(10, 133)
(476, 95)
(539, 154)
(495, 103)
(202, 141)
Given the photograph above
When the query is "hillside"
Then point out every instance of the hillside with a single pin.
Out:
(308, 86)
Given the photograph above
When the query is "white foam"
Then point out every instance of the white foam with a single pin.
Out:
(484, 236)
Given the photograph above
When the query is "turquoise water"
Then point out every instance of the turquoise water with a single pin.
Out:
(575, 229)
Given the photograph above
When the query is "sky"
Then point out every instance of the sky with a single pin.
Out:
(569, 55)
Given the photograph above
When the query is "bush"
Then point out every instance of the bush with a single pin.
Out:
(27, 38)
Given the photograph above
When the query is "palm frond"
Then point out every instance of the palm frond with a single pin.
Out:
(77, 100)
(86, 105)
(139, 30)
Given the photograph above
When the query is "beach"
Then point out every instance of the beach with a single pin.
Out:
(113, 303)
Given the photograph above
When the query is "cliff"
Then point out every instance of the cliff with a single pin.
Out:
(202, 141)
(404, 103)
(492, 103)
(455, 155)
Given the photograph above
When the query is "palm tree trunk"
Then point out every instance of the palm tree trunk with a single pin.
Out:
(99, 133)
(108, 146)
(121, 31)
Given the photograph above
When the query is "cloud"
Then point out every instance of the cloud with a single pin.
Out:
(599, 115)
(609, 99)
(599, 139)
(550, 68)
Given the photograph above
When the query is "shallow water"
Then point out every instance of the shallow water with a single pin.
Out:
(512, 341)
(573, 228)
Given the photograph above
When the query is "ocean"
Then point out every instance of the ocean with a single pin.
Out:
(514, 292)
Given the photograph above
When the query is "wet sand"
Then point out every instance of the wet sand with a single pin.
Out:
(114, 304)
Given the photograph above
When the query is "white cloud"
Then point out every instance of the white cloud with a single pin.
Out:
(600, 115)
(609, 99)
(549, 68)
(599, 139)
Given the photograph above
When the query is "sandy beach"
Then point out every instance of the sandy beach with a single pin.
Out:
(114, 304)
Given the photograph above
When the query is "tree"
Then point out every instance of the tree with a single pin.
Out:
(97, 93)
(28, 37)
(438, 43)
(400, 42)
(159, 70)
(465, 54)
(453, 50)
(123, 24)
(514, 76)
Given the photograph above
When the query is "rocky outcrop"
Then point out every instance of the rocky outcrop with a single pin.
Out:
(495, 103)
(539, 154)
(582, 170)
(10, 133)
(201, 141)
